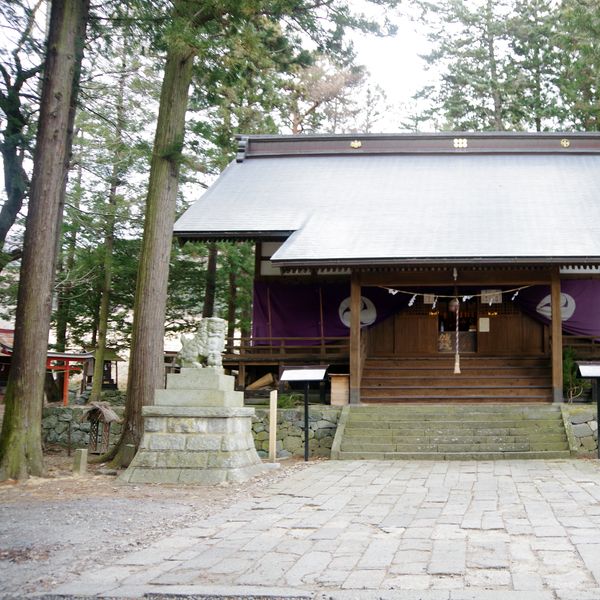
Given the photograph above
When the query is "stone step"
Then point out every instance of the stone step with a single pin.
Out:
(200, 379)
(442, 431)
(455, 408)
(456, 445)
(498, 447)
(454, 418)
(198, 397)
(452, 425)
(463, 399)
(553, 454)
(466, 434)
(449, 415)
(358, 438)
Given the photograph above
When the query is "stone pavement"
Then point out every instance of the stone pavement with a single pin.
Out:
(407, 530)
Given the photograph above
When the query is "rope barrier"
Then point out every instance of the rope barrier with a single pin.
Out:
(394, 291)
(457, 354)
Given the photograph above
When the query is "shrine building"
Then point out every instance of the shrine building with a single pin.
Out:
(432, 268)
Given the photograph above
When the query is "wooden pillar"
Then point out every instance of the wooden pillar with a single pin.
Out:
(354, 339)
(241, 380)
(557, 361)
(65, 391)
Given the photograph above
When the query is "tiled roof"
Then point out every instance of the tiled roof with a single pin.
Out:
(502, 198)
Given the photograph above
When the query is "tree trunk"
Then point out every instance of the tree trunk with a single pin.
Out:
(64, 291)
(246, 322)
(211, 282)
(538, 91)
(15, 178)
(109, 240)
(232, 302)
(146, 365)
(20, 442)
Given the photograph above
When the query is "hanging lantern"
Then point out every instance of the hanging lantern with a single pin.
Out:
(453, 306)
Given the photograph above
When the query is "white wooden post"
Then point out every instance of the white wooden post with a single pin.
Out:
(273, 426)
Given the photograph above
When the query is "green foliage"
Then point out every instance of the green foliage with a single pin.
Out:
(476, 87)
(255, 61)
(289, 400)
(573, 385)
(21, 57)
(513, 64)
(579, 79)
(535, 62)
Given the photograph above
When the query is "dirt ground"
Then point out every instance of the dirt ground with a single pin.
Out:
(53, 528)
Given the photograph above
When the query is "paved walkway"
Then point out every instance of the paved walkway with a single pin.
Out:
(506, 530)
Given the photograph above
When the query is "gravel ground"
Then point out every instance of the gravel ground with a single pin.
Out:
(54, 528)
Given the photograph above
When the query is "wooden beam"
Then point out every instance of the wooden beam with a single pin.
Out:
(465, 277)
(257, 259)
(354, 339)
(557, 361)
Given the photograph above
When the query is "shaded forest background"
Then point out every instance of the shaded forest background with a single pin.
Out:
(515, 65)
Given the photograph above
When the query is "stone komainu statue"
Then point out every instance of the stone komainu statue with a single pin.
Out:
(206, 346)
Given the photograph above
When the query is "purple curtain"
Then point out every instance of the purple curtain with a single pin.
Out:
(296, 307)
(580, 305)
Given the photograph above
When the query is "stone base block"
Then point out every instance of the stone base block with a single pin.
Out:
(195, 445)
(191, 476)
(200, 379)
(185, 397)
(197, 411)
(198, 432)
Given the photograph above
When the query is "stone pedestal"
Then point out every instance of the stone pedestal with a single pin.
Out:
(198, 432)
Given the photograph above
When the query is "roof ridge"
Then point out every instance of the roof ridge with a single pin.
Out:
(455, 142)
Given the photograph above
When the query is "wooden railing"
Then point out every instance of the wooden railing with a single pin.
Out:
(585, 346)
(283, 348)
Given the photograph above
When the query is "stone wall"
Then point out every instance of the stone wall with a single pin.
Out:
(322, 424)
(581, 422)
(290, 429)
(55, 426)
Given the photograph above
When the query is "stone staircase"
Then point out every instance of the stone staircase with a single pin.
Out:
(484, 432)
(432, 379)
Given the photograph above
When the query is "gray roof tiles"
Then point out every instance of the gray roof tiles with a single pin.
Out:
(406, 207)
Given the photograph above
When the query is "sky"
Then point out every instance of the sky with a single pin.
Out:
(394, 63)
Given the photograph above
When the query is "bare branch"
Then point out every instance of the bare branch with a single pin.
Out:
(27, 30)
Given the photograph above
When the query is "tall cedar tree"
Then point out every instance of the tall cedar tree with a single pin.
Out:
(579, 82)
(469, 44)
(193, 22)
(109, 236)
(146, 358)
(535, 61)
(20, 443)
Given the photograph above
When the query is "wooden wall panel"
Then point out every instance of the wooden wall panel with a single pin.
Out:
(533, 336)
(409, 334)
(415, 335)
(504, 336)
(516, 335)
(381, 338)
